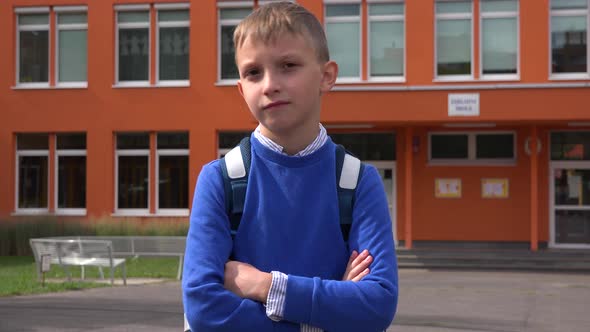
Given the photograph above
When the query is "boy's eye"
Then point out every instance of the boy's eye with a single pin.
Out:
(289, 65)
(251, 72)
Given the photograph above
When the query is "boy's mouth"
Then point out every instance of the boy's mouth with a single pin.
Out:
(275, 104)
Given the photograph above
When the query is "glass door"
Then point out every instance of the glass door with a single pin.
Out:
(570, 204)
(387, 172)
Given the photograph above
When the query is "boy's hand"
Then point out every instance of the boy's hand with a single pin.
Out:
(246, 281)
(358, 266)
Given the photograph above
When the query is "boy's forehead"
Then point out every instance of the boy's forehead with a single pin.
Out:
(284, 39)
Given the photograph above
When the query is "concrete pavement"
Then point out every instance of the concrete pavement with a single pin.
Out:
(430, 300)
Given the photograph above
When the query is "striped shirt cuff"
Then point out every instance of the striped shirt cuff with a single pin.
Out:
(275, 302)
(309, 328)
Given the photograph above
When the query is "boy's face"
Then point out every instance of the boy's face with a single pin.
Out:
(282, 82)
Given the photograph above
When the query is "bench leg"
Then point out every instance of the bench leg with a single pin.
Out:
(180, 262)
(100, 272)
(112, 276)
(124, 273)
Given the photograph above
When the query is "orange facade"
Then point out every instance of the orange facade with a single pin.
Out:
(532, 104)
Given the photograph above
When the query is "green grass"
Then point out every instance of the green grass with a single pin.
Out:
(18, 275)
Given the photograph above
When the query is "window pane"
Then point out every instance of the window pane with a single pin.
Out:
(342, 10)
(386, 9)
(172, 140)
(346, 54)
(173, 182)
(573, 145)
(387, 48)
(572, 187)
(449, 146)
(72, 18)
(133, 182)
(499, 6)
(569, 4)
(496, 146)
(453, 7)
(228, 62)
(133, 17)
(73, 56)
(71, 182)
(234, 13)
(133, 54)
(133, 141)
(572, 226)
(368, 146)
(453, 47)
(32, 142)
(173, 15)
(568, 44)
(31, 19)
(33, 56)
(71, 141)
(499, 46)
(32, 182)
(231, 140)
(174, 53)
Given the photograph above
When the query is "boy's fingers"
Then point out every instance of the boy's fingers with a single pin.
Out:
(361, 266)
(361, 275)
(360, 258)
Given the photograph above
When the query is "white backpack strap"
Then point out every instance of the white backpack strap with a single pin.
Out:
(235, 163)
(350, 172)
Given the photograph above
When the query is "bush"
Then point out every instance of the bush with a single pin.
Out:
(15, 234)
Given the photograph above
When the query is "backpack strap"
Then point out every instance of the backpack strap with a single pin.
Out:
(235, 167)
(348, 170)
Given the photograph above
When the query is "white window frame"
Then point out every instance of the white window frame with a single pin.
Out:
(135, 25)
(566, 13)
(29, 153)
(59, 27)
(66, 153)
(348, 19)
(223, 23)
(450, 17)
(385, 18)
(127, 153)
(36, 27)
(170, 153)
(471, 159)
(491, 15)
(160, 7)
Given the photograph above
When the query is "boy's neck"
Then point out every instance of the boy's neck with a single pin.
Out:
(294, 142)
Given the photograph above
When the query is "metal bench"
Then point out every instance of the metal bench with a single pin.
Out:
(137, 246)
(77, 252)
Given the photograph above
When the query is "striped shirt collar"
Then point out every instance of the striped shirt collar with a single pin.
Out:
(319, 141)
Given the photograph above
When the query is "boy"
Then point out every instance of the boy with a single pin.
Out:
(291, 269)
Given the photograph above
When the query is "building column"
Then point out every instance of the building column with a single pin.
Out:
(533, 148)
(408, 188)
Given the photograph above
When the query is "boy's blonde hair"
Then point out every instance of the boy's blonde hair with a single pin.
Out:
(272, 20)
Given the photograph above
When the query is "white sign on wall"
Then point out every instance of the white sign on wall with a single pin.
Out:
(463, 104)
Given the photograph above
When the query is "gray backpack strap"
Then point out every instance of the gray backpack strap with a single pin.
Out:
(235, 167)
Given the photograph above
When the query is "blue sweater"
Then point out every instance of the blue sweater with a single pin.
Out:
(291, 224)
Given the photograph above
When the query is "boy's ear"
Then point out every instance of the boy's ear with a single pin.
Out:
(240, 88)
(329, 75)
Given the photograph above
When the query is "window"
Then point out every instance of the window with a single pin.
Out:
(368, 146)
(71, 173)
(386, 40)
(499, 38)
(72, 46)
(343, 22)
(34, 33)
(453, 39)
(132, 186)
(569, 38)
(570, 145)
(229, 16)
(32, 154)
(133, 44)
(33, 46)
(173, 44)
(173, 182)
(472, 148)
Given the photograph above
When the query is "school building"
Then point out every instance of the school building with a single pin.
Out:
(476, 112)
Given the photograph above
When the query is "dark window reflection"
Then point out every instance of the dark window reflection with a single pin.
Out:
(133, 182)
(34, 56)
(174, 53)
(173, 182)
(72, 182)
(133, 54)
(32, 182)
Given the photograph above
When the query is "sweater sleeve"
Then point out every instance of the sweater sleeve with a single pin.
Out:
(367, 305)
(208, 305)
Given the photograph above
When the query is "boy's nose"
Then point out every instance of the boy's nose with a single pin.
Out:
(271, 83)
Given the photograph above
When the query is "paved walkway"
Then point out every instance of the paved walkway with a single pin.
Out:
(446, 301)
